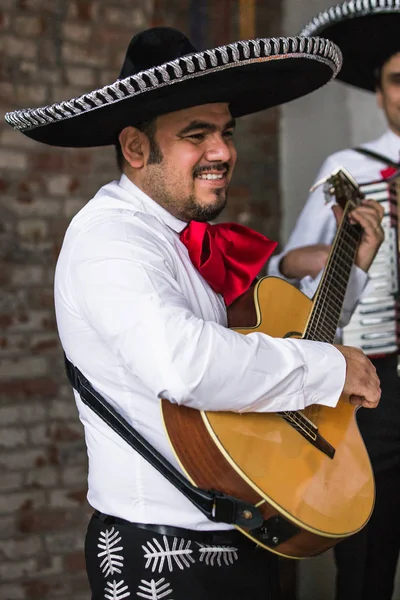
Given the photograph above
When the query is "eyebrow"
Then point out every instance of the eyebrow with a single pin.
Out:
(205, 126)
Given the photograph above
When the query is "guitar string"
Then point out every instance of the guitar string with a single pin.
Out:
(340, 263)
(326, 333)
(317, 330)
(327, 304)
(299, 419)
(325, 299)
(326, 330)
(323, 323)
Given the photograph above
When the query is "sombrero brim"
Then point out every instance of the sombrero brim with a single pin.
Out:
(366, 31)
(250, 75)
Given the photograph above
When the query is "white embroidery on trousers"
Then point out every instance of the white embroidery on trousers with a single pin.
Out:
(111, 561)
(210, 554)
(157, 555)
(154, 590)
(114, 591)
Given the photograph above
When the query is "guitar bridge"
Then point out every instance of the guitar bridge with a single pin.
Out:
(308, 430)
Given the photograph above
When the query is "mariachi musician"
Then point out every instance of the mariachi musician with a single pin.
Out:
(368, 34)
(141, 289)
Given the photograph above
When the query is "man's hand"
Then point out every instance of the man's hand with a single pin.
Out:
(362, 383)
(369, 215)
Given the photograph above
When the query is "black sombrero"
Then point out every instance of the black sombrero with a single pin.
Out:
(366, 31)
(163, 72)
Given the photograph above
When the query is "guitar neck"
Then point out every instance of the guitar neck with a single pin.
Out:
(328, 300)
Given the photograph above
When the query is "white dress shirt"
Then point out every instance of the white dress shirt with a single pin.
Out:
(317, 224)
(141, 323)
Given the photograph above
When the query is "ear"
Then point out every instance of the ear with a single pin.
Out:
(133, 146)
(379, 98)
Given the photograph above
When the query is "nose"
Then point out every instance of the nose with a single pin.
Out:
(220, 149)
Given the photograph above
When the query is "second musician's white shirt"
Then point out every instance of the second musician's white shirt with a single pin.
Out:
(317, 225)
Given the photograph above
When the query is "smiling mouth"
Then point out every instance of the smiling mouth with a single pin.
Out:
(211, 176)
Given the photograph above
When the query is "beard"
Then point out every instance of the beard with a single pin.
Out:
(183, 207)
(193, 211)
(189, 209)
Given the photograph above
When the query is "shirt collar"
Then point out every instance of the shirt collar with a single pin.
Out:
(149, 206)
(392, 143)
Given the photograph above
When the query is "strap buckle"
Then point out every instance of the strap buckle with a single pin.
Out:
(227, 509)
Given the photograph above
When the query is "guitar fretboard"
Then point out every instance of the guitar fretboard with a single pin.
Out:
(328, 301)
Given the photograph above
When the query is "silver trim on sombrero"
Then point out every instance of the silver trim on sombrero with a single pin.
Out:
(181, 69)
(348, 10)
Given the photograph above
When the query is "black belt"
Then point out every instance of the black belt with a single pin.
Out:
(230, 536)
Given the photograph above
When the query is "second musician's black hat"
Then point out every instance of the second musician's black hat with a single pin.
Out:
(366, 31)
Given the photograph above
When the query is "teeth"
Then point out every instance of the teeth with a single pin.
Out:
(210, 176)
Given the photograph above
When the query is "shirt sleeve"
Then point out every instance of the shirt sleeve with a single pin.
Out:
(317, 225)
(125, 286)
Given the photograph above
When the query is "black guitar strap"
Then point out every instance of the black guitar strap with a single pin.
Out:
(378, 157)
(215, 505)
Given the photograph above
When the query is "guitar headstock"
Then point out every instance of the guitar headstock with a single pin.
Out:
(342, 187)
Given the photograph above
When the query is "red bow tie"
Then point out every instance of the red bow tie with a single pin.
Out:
(229, 256)
(388, 172)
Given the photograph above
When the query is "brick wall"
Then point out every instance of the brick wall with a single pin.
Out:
(51, 50)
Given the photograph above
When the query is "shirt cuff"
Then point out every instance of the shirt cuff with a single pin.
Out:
(359, 285)
(325, 375)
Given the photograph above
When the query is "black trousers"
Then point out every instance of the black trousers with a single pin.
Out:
(366, 562)
(125, 561)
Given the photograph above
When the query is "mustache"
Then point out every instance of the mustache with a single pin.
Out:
(207, 168)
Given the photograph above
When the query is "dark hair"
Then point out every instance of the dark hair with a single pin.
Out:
(378, 70)
(149, 128)
(378, 76)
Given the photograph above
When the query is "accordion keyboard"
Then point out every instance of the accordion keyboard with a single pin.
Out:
(374, 326)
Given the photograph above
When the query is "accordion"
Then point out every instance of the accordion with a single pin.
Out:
(375, 324)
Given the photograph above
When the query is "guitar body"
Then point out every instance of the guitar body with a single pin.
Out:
(309, 500)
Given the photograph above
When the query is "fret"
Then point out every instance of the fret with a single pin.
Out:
(320, 336)
(348, 247)
(343, 277)
(328, 320)
(342, 260)
(323, 330)
(320, 317)
(322, 323)
(320, 308)
(349, 244)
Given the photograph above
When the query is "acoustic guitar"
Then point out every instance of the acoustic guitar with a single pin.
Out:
(308, 470)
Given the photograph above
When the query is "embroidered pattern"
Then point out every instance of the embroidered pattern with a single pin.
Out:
(115, 591)
(212, 554)
(111, 561)
(347, 10)
(156, 555)
(180, 69)
(154, 590)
